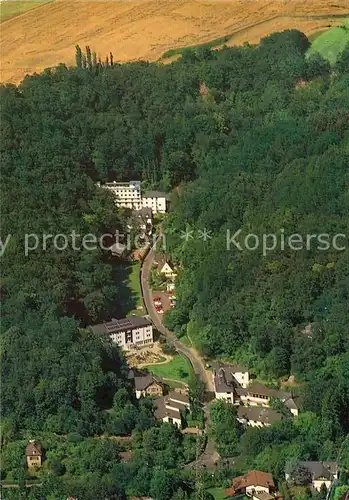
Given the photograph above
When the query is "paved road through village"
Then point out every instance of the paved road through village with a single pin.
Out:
(190, 353)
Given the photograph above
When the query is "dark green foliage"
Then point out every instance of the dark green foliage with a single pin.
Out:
(264, 149)
(78, 56)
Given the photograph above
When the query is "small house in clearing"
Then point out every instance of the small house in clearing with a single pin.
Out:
(34, 454)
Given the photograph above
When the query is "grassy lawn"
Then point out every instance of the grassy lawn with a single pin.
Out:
(331, 43)
(14, 8)
(135, 288)
(179, 369)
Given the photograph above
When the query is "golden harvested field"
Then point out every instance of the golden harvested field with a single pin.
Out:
(145, 29)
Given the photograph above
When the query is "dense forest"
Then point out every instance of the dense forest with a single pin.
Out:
(257, 139)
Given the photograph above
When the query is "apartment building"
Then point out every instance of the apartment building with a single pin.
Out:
(127, 333)
(129, 195)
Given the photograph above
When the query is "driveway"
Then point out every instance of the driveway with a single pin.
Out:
(189, 352)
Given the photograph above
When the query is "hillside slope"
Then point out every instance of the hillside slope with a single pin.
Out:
(331, 43)
(145, 29)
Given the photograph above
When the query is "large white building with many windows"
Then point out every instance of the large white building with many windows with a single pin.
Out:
(129, 195)
(128, 333)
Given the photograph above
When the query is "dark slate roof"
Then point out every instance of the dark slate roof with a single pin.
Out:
(317, 469)
(155, 194)
(263, 390)
(120, 325)
(290, 403)
(143, 212)
(142, 382)
(259, 414)
(178, 396)
(231, 368)
(223, 381)
(161, 411)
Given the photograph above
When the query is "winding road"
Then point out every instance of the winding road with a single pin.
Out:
(209, 457)
(193, 356)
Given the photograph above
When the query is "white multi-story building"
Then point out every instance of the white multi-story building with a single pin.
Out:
(129, 195)
(128, 333)
(155, 200)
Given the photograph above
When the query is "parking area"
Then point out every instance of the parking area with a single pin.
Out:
(163, 301)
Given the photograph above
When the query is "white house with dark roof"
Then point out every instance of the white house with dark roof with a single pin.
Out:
(257, 394)
(256, 416)
(128, 333)
(170, 408)
(232, 384)
(227, 378)
(146, 384)
(320, 472)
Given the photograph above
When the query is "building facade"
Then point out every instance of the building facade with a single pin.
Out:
(155, 200)
(148, 385)
(33, 453)
(254, 416)
(127, 333)
(129, 195)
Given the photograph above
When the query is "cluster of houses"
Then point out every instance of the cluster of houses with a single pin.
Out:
(140, 207)
(232, 384)
(171, 407)
(260, 485)
(255, 484)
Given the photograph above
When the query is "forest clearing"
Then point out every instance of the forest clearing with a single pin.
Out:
(145, 29)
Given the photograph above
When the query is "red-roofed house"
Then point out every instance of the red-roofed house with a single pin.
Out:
(254, 482)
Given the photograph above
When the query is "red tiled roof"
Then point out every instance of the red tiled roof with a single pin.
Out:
(253, 478)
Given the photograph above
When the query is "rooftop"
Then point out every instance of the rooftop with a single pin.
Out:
(259, 414)
(263, 390)
(32, 449)
(317, 469)
(224, 380)
(120, 325)
(155, 194)
(230, 367)
(144, 381)
(162, 411)
(253, 478)
(178, 396)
